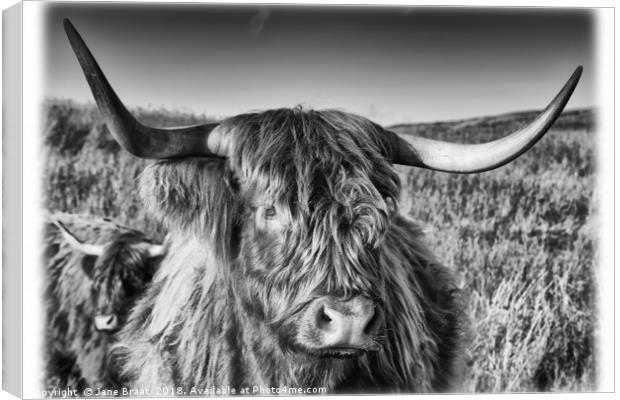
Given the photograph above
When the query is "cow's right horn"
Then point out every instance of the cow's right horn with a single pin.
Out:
(141, 140)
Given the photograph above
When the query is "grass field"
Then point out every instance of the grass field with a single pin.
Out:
(523, 237)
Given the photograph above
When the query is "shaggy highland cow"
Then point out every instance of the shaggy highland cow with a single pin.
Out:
(90, 290)
(289, 262)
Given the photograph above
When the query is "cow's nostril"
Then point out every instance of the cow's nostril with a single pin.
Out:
(106, 322)
(373, 323)
(325, 317)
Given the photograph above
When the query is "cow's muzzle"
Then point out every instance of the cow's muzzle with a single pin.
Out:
(336, 328)
(106, 322)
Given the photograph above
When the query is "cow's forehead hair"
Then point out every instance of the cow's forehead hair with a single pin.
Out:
(121, 261)
(287, 153)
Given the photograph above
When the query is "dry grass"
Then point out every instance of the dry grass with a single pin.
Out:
(522, 237)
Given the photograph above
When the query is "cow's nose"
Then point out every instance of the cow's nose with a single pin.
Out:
(106, 322)
(351, 324)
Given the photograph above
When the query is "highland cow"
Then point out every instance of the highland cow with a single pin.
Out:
(289, 262)
(90, 290)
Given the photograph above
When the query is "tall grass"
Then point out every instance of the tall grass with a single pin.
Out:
(521, 237)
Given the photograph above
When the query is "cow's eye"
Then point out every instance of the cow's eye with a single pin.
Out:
(270, 212)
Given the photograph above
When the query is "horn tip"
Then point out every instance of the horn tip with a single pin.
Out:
(67, 24)
(58, 224)
(71, 32)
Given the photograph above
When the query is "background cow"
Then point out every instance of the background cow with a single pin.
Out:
(289, 261)
(95, 270)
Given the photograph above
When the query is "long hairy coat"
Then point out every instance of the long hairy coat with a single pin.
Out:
(223, 308)
(81, 286)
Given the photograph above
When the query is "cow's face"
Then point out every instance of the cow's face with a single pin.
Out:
(316, 196)
(117, 272)
(300, 209)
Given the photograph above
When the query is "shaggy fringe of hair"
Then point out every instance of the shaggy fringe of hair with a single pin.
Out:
(328, 170)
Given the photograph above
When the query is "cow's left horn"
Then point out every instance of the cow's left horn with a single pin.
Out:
(138, 139)
(468, 158)
(88, 249)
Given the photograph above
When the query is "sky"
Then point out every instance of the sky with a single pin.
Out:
(390, 64)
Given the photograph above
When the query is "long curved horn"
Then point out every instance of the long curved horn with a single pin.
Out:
(469, 158)
(140, 140)
(88, 249)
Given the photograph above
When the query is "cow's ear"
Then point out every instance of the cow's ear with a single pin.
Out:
(193, 196)
(88, 265)
(190, 195)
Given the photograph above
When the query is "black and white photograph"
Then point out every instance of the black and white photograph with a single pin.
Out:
(298, 199)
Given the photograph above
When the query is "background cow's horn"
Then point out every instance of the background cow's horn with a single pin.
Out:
(468, 158)
(88, 249)
(152, 250)
(138, 139)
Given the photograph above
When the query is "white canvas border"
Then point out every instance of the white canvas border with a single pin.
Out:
(32, 277)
